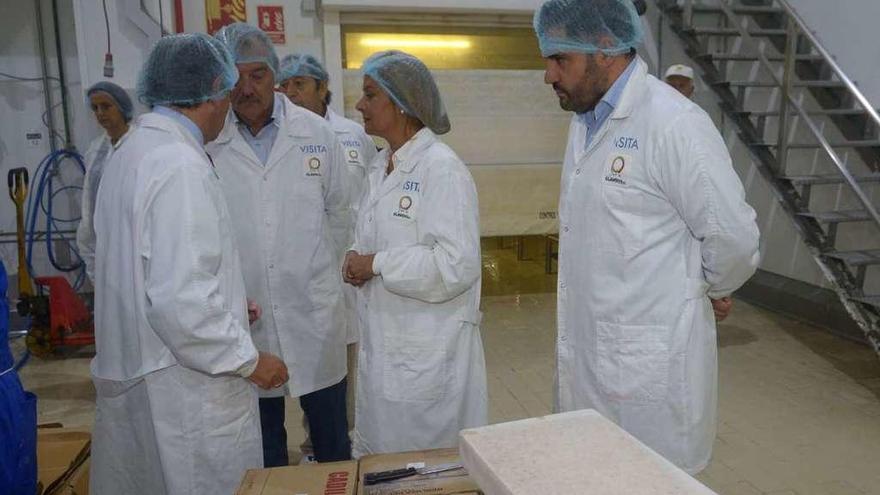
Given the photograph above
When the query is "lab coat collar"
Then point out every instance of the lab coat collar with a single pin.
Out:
(295, 118)
(167, 124)
(406, 158)
(293, 128)
(290, 118)
(632, 94)
(634, 88)
(123, 137)
(336, 121)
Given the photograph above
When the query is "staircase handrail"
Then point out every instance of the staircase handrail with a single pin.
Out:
(796, 21)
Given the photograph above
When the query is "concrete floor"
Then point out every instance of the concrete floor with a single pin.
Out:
(799, 409)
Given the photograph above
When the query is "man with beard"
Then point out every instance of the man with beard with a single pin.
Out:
(654, 234)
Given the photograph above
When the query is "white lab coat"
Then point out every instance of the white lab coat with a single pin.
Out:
(652, 221)
(421, 372)
(96, 157)
(174, 414)
(290, 217)
(359, 150)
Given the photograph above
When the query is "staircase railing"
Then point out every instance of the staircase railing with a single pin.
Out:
(846, 270)
(795, 26)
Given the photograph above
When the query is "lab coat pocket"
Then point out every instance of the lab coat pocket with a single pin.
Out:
(620, 234)
(414, 370)
(226, 406)
(633, 362)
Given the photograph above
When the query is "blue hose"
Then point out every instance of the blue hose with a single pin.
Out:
(42, 201)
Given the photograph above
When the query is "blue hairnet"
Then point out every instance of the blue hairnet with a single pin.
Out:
(587, 26)
(409, 84)
(186, 69)
(117, 94)
(248, 44)
(301, 65)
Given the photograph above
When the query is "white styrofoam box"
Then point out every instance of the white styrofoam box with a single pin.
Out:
(577, 452)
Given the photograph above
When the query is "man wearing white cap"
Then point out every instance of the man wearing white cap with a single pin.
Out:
(681, 77)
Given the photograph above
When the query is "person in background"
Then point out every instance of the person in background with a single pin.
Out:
(416, 258)
(304, 80)
(283, 169)
(681, 77)
(175, 369)
(654, 233)
(114, 111)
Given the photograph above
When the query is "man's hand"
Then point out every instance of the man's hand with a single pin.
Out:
(722, 308)
(271, 372)
(255, 312)
(357, 269)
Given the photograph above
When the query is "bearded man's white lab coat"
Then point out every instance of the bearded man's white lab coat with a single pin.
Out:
(653, 223)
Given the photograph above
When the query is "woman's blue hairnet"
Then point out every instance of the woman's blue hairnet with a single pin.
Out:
(301, 65)
(611, 27)
(186, 69)
(248, 44)
(117, 94)
(411, 87)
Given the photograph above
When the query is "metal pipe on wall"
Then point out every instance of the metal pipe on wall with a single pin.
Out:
(68, 142)
(44, 64)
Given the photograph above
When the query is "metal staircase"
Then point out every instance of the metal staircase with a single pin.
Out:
(762, 51)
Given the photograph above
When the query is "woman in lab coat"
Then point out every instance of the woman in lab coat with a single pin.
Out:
(416, 258)
(113, 111)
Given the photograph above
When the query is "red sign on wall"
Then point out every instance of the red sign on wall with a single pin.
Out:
(271, 19)
(219, 13)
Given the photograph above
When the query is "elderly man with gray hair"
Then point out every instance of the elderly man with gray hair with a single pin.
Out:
(284, 171)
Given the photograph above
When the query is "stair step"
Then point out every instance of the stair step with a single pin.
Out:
(869, 143)
(841, 216)
(857, 258)
(813, 180)
(741, 10)
(770, 84)
(720, 31)
(843, 112)
(738, 57)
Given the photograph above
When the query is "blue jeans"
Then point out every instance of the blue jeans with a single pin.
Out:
(328, 426)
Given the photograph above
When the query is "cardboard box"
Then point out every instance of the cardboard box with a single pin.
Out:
(332, 478)
(575, 452)
(58, 449)
(457, 482)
